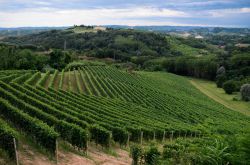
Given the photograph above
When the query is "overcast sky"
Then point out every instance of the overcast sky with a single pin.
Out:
(20, 13)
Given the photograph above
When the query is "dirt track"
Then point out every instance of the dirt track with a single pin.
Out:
(28, 156)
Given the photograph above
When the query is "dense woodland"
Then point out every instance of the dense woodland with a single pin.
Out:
(118, 44)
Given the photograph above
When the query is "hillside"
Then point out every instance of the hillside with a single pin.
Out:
(120, 44)
(103, 104)
(231, 101)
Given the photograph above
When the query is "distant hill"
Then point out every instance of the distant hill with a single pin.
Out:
(114, 43)
(196, 29)
(20, 31)
(98, 42)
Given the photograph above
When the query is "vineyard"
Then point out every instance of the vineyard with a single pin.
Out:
(103, 104)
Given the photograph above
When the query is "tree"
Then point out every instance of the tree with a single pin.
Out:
(221, 71)
(229, 86)
(26, 59)
(220, 76)
(220, 79)
(245, 92)
(59, 59)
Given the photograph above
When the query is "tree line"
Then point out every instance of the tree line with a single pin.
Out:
(29, 58)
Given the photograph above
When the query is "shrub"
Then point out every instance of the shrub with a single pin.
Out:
(245, 92)
(217, 153)
(172, 150)
(152, 156)
(136, 153)
(230, 86)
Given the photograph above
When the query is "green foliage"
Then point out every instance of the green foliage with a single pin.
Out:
(152, 156)
(13, 57)
(244, 147)
(135, 134)
(120, 135)
(42, 133)
(117, 44)
(73, 134)
(141, 102)
(229, 86)
(199, 67)
(47, 68)
(52, 81)
(22, 78)
(9, 78)
(25, 60)
(209, 150)
(100, 135)
(43, 80)
(245, 92)
(193, 42)
(216, 154)
(103, 80)
(240, 60)
(34, 78)
(7, 135)
(80, 64)
(197, 57)
(149, 157)
(220, 79)
(59, 59)
(188, 46)
(61, 80)
(136, 153)
(172, 151)
(69, 132)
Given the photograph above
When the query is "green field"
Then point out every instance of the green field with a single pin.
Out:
(218, 94)
(106, 105)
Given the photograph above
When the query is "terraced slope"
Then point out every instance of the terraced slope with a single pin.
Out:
(104, 104)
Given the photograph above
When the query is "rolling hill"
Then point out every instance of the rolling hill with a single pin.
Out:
(120, 44)
(106, 105)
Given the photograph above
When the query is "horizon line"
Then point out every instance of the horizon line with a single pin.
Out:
(200, 26)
